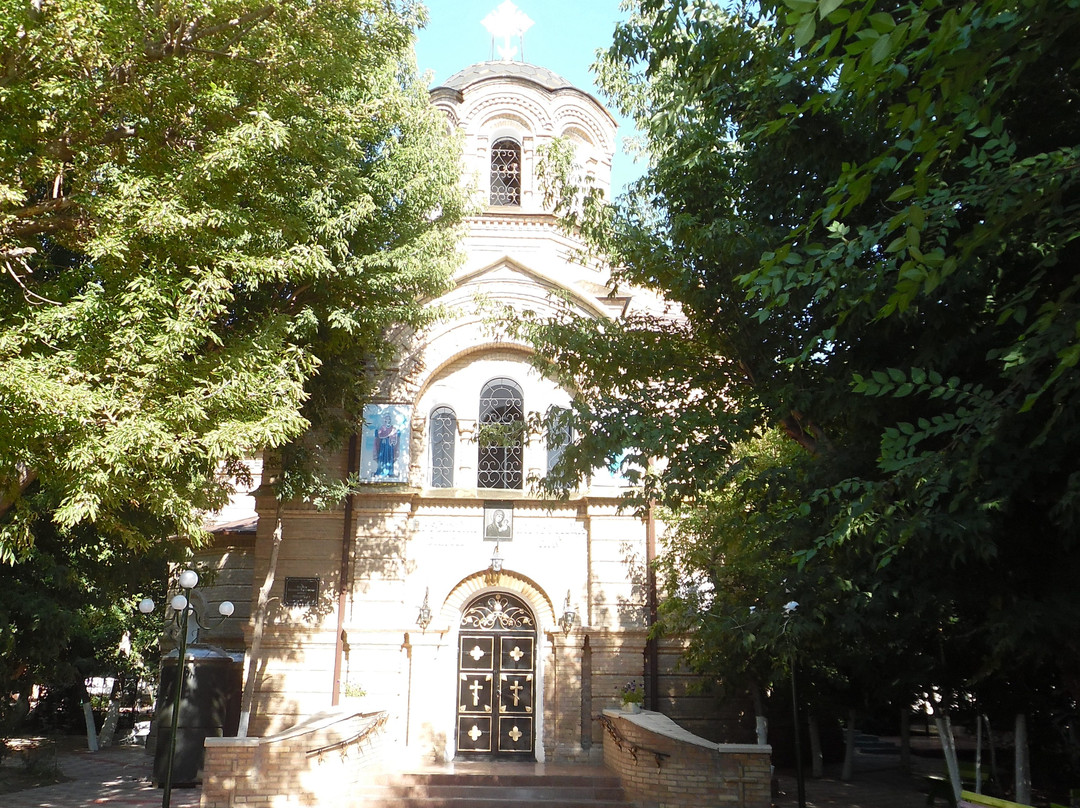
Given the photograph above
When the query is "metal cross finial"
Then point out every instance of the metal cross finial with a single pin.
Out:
(506, 22)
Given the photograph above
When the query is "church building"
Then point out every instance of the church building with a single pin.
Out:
(483, 618)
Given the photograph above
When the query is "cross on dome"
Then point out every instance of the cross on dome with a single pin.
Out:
(506, 22)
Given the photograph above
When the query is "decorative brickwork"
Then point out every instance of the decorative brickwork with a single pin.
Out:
(318, 762)
(661, 765)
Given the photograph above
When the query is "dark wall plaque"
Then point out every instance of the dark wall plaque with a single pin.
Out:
(301, 591)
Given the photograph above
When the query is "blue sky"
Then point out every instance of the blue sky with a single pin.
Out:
(564, 37)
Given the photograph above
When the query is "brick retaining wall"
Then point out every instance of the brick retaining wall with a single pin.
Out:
(662, 765)
(317, 762)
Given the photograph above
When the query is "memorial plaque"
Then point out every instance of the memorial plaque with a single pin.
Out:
(301, 591)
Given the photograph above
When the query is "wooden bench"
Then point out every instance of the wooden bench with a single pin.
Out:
(939, 786)
(969, 799)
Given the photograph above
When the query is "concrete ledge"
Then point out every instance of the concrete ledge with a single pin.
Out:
(662, 765)
(662, 725)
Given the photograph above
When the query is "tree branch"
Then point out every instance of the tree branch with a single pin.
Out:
(192, 33)
(11, 490)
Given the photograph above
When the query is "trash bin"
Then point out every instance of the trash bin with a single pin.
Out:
(209, 708)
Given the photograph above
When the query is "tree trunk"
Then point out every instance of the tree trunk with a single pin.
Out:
(108, 729)
(849, 748)
(905, 740)
(259, 619)
(948, 748)
(978, 753)
(993, 751)
(761, 721)
(817, 760)
(88, 716)
(1023, 767)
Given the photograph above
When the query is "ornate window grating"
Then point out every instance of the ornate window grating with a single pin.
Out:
(443, 441)
(505, 173)
(498, 613)
(502, 422)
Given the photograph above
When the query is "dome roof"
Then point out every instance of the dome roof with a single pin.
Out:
(521, 70)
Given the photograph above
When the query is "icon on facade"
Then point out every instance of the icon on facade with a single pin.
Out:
(498, 521)
(384, 443)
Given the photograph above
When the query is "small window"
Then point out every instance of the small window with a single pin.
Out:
(502, 423)
(559, 435)
(505, 173)
(443, 441)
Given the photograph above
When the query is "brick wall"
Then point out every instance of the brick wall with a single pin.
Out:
(317, 762)
(662, 765)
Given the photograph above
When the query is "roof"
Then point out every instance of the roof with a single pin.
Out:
(502, 69)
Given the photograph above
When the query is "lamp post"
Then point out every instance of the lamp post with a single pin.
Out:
(800, 782)
(182, 608)
(569, 616)
(423, 619)
(495, 567)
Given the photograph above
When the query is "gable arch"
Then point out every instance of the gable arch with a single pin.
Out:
(472, 586)
(505, 126)
(445, 363)
(533, 116)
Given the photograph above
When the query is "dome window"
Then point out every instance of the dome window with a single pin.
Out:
(505, 173)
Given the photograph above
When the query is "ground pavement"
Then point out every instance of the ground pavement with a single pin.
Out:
(120, 777)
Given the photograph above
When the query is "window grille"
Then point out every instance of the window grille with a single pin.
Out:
(505, 173)
(502, 412)
(443, 441)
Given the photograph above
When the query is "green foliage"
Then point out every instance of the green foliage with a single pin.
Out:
(213, 216)
(866, 214)
(66, 606)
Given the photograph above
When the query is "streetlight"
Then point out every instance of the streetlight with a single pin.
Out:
(568, 616)
(423, 619)
(181, 606)
(495, 567)
(800, 782)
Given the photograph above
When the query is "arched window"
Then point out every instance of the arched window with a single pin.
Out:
(443, 441)
(502, 424)
(505, 173)
(559, 435)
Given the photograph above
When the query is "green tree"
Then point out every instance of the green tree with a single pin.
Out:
(65, 609)
(213, 217)
(867, 214)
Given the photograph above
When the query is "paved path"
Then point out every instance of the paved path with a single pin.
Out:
(116, 776)
(120, 777)
(876, 784)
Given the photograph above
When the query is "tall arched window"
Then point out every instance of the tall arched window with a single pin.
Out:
(502, 426)
(505, 173)
(559, 435)
(443, 441)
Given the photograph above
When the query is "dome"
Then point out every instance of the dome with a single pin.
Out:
(520, 70)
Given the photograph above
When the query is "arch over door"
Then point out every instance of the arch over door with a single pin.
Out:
(496, 678)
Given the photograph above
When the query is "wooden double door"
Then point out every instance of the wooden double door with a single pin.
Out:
(496, 678)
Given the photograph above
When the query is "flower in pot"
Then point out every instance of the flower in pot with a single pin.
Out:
(632, 697)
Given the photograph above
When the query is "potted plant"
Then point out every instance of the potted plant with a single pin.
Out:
(632, 697)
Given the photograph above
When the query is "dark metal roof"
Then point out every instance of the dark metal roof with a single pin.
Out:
(521, 70)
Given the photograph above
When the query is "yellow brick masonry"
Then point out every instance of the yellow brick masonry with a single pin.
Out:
(691, 772)
(317, 762)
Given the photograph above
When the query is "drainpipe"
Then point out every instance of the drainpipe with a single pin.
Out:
(344, 575)
(652, 644)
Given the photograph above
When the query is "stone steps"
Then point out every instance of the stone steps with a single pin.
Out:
(488, 790)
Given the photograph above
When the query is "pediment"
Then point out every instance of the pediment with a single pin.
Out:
(508, 278)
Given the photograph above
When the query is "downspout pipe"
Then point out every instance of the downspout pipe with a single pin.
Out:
(344, 574)
(652, 643)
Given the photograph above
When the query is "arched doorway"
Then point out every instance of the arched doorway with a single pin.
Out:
(496, 678)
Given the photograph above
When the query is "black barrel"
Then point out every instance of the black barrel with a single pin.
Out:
(209, 708)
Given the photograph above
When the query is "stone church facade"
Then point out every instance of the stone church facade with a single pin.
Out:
(485, 619)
